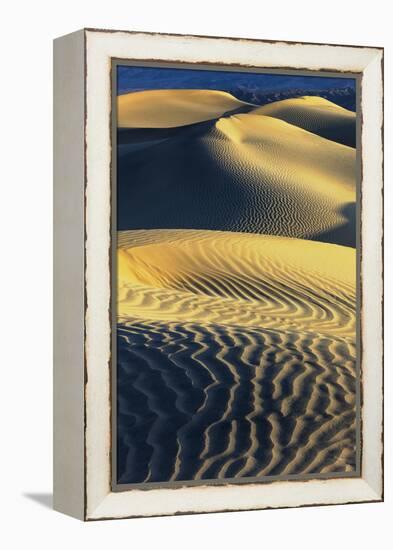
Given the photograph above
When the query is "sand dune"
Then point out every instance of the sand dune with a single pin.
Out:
(171, 108)
(266, 175)
(236, 278)
(202, 401)
(236, 355)
(236, 307)
(317, 115)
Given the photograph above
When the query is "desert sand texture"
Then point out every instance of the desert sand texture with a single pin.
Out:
(236, 288)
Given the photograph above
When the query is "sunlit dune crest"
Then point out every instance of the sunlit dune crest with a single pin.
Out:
(236, 278)
(317, 115)
(324, 167)
(267, 176)
(172, 108)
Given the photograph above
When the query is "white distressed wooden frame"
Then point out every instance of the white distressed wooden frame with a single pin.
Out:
(82, 108)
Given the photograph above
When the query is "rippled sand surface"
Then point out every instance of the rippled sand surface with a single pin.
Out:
(236, 298)
(244, 172)
(236, 356)
(317, 115)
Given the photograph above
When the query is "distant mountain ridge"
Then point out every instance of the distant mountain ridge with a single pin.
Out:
(259, 88)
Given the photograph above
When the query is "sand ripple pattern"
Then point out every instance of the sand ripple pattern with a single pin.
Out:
(244, 172)
(214, 401)
(236, 356)
(316, 115)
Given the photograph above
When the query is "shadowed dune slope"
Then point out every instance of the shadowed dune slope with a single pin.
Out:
(211, 401)
(236, 356)
(171, 108)
(317, 115)
(266, 175)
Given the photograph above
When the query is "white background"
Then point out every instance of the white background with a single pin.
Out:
(28, 28)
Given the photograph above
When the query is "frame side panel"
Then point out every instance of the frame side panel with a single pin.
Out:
(68, 210)
(372, 274)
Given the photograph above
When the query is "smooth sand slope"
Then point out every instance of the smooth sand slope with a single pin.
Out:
(171, 108)
(244, 172)
(236, 356)
(317, 115)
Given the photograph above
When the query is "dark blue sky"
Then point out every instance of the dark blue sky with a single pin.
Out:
(148, 78)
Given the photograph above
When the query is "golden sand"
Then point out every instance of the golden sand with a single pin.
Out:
(315, 114)
(246, 172)
(171, 108)
(239, 348)
(319, 165)
(236, 278)
(241, 318)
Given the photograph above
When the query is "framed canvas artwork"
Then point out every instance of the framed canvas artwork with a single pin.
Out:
(218, 274)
